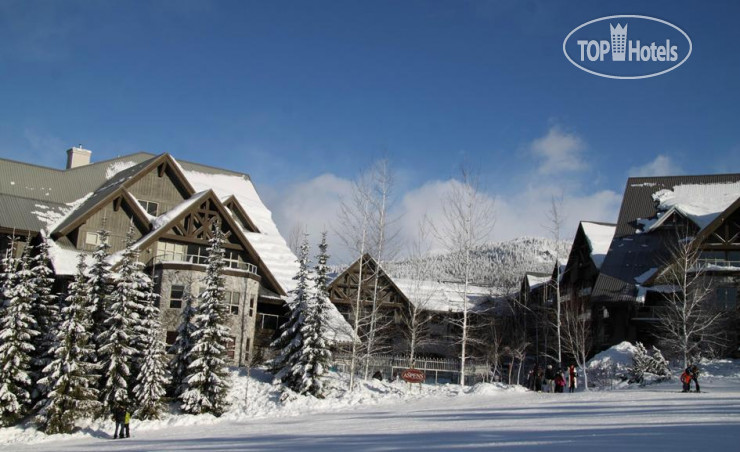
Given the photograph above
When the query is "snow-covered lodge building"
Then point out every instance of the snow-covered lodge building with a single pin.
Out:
(170, 204)
(616, 269)
(437, 306)
(656, 213)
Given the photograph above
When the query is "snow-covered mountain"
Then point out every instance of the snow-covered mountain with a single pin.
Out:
(500, 264)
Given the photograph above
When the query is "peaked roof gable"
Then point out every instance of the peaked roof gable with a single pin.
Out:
(367, 258)
(117, 184)
(165, 222)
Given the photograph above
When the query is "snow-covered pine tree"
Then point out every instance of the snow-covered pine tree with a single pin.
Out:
(116, 353)
(284, 366)
(17, 332)
(152, 378)
(659, 365)
(9, 274)
(207, 379)
(46, 312)
(180, 349)
(145, 290)
(315, 355)
(99, 288)
(640, 363)
(70, 376)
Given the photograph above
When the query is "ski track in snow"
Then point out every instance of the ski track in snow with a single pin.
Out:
(487, 417)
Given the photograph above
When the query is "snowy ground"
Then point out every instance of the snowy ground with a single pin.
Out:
(383, 416)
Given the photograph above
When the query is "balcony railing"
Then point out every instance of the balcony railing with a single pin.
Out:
(203, 260)
(704, 262)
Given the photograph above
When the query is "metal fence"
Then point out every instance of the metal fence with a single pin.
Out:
(436, 370)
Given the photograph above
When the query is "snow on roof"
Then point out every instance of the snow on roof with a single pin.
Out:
(116, 167)
(269, 244)
(536, 280)
(701, 203)
(599, 238)
(444, 296)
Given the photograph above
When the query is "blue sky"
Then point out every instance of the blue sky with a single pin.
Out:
(302, 95)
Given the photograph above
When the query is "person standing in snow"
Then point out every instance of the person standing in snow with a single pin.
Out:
(119, 417)
(559, 382)
(126, 420)
(690, 374)
(572, 378)
(549, 382)
(695, 377)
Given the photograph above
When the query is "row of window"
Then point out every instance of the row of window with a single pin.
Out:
(231, 298)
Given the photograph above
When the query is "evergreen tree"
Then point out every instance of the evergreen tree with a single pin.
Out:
(70, 376)
(640, 363)
(116, 353)
(45, 310)
(152, 377)
(99, 288)
(285, 366)
(17, 332)
(180, 349)
(660, 364)
(9, 274)
(206, 381)
(315, 355)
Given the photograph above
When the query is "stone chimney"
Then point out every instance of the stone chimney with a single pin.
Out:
(77, 156)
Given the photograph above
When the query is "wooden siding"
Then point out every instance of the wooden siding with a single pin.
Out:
(114, 220)
(160, 189)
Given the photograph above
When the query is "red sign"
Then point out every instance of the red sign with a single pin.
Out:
(413, 375)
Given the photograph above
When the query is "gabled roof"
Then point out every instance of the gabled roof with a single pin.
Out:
(430, 295)
(599, 237)
(166, 221)
(39, 197)
(115, 186)
(367, 258)
(640, 244)
(638, 201)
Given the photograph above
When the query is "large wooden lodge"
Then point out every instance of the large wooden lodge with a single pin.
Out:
(613, 269)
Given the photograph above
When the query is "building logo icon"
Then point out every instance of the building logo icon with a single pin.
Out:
(619, 41)
(654, 47)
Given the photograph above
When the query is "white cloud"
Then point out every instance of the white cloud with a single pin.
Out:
(313, 204)
(661, 166)
(559, 151)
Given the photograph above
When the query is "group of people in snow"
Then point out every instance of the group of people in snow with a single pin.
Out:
(690, 374)
(552, 380)
(122, 417)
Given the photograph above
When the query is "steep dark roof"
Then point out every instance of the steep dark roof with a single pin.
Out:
(633, 253)
(638, 196)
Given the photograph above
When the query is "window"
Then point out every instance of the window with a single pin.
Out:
(150, 207)
(92, 238)
(168, 251)
(267, 321)
(725, 298)
(176, 294)
(171, 338)
(230, 347)
(251, 307)
(232, 300)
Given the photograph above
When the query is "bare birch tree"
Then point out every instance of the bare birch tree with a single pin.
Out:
(354, 218)
(576, 330)
(555, 226)
(416, 315)
(689, 324)
(468, 220)
(383, 236)
(295, 237)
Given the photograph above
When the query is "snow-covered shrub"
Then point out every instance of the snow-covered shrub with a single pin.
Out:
(648, 367)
